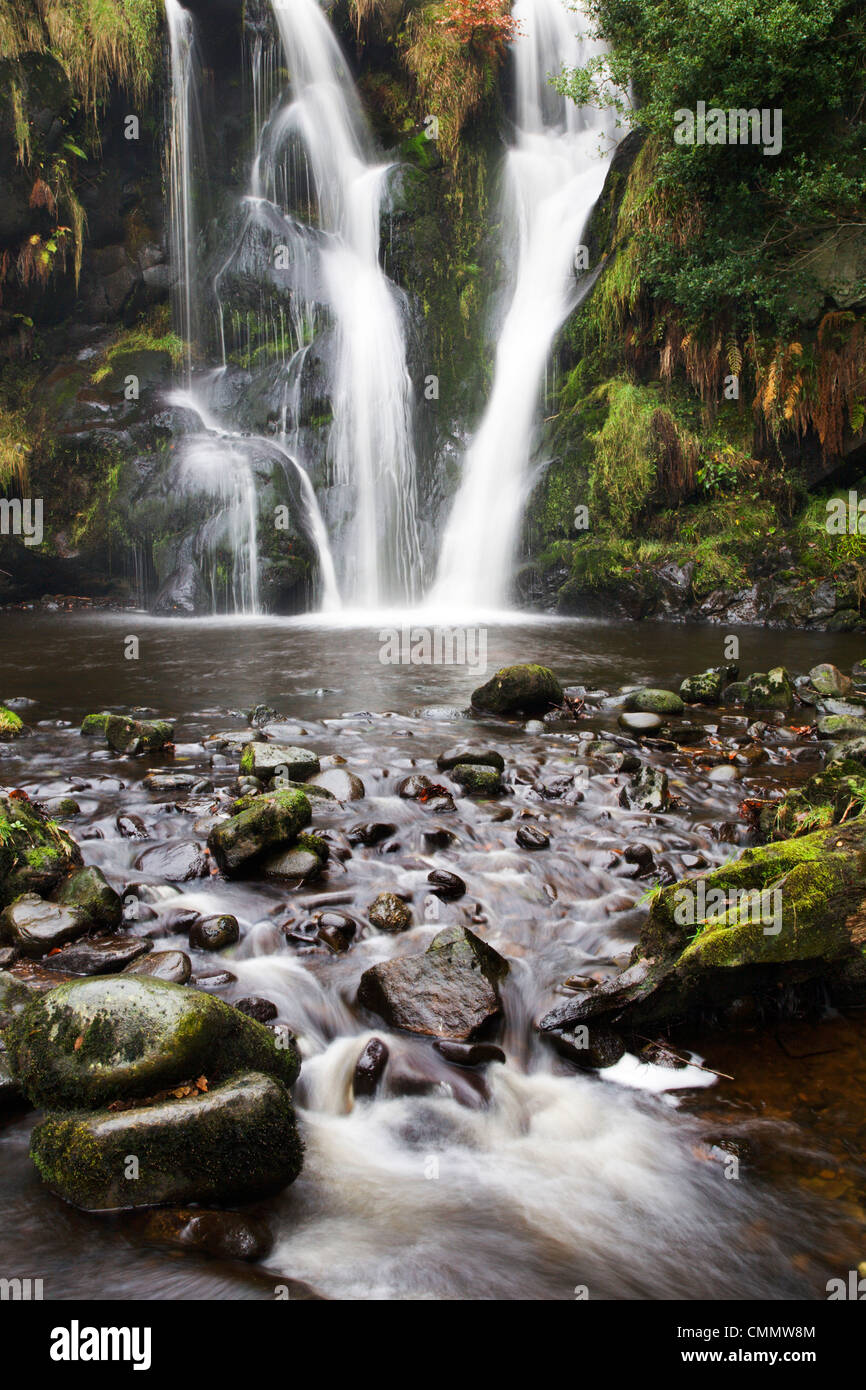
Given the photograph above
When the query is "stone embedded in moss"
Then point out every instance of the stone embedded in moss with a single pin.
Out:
(91, 1042)
(533, 689)
(270, 821)
(263, 760)
(236, 1142)
(34, 852)
(651, 701)
(10, 725)
(89, 890)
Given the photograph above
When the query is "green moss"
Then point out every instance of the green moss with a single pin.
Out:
(10, 725)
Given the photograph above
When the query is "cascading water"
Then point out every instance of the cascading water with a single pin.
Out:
(181, 120)
(554, 174)
(316, 154)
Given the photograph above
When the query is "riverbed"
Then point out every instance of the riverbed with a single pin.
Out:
(522, 1180)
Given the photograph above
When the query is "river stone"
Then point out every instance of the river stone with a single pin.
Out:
(93, 725)
(590, 1048)
(292, 863)
(262, 1010)
(649, 790)
(269, 822)
(450, 991)
(235, 1142)
(262, 760)
(63, 806)
(477, 780)
(389, 913)
(133, 736)
(532, 837)
(34, 852)
(703, 689)
(652, 701)
(235, 740)
(369, 1068)
(179, 863)
(215, 933)
(11, 726)
(342, 785)
(528, 688)
(640, 723)
(170, 781)
(98, 955)
(173, 966)
(841, 726)
(89, 890)
(36, 927)
(226, 1235)
(775, 690)
(113, 1037)
(829, 680)
(482, 757)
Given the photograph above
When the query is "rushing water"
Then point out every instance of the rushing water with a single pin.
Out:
(524, 1180)
(554, 174)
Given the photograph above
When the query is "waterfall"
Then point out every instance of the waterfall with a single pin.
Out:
(180, 120)
(554, 174)
(333, 169)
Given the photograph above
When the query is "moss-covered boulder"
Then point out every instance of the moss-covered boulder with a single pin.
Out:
(703, 689)
(828, 680)
(93, 725)
(269, 822)
(10, 725)
(264, 760)
(463, 756)
(449, 991)
(841, 726)
(476, 779)
(128, 736)
(36, 927)
(89, 890)
(782, 914)
(530, 689)
(34, 852)
(115, 1038)
(775, 690)
(234, 1142)
(651, 701)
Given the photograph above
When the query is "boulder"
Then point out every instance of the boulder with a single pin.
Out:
(533, 689)
(477, 779)
(463, 756)
(89, 890)
(390, 913)
(775, 690)
(91, 1042)
(704, 689)
(129, 736)
(449, 991)
(35, 853)
(269, 822)
(828, 680)
(36, 927)
(264, 760)
(234, 1142)
(651, 701)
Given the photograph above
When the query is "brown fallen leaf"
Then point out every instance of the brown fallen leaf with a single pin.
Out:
(78, 1041)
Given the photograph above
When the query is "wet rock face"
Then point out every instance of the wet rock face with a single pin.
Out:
(91, 1042)
(451, 991)
(236, 1142)
(531, 689)
(227, 1235)
(35, 853)
(36, 927)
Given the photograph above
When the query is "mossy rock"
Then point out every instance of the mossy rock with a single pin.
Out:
(842, 726)
(477, 779)
(651, 701)
(92, 1042)
(134, 736)
(236, 1142)
(262, 760)
(34, 852)
(784, 913)
(775, 690)
(828, 680)
(533, 689)
(703, 689)
(89, 890)
(94, 725)
(269, 822)
(11, 726)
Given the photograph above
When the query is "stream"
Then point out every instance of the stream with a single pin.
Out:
(518, 1180)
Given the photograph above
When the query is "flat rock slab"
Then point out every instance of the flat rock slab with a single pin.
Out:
(236, 1142)
(36, 927)
(98, 955)
(264, 760)
(451, 991)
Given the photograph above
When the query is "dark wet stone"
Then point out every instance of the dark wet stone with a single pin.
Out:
(245, 1126)
(98, 955)
(169, 781)
(369, 1068)
(469, 1054)
(441, 805)
(36, 927)
(589, 1046)
(414, 787)
(449, 991)
(337, 938)
(131, 827)
(438, 837)
(214, 980)
(293, 863)
(227, 1235)
(262, 1010)
(650, 791)
(268, 822)
(661, 1055)
(89, 890)
(173, 966)
(569, 790)
(483, 757)
(445, 885)
(215, 933)
(641, 856)
(532, 837)
(528, 688)
(389, 913)
(177, 863)
(371, 833)
(477, 780)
